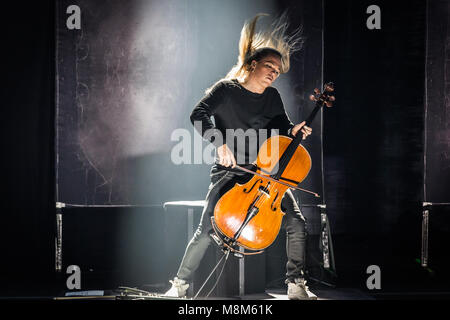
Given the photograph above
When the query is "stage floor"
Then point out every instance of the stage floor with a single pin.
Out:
(269, 294)
(322, 294)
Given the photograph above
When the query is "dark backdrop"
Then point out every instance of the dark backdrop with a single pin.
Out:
(116, 111)
(373, 148)
(27, 206)
(374, 141)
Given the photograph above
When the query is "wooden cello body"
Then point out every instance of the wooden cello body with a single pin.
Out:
(263, 195)
(250, 214)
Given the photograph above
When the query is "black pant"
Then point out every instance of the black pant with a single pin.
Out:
(293, 222)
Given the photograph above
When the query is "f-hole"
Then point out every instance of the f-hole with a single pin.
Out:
(257, 181)
(274, 208)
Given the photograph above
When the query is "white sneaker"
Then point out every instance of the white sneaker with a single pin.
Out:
(299, 291)
(178, 289)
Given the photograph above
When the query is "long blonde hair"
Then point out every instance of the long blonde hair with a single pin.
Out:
(275, 38)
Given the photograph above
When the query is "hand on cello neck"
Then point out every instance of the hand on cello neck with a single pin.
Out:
(303, 128)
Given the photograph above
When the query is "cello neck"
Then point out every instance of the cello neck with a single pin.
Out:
(290, 150)
(320, 99)
(312, 115)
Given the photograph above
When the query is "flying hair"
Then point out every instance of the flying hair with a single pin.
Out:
(255, 45)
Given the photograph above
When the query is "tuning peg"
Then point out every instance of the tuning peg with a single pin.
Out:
(329, 104)
(312, 98)
(329, 87)
(331, 98)
(316, 91)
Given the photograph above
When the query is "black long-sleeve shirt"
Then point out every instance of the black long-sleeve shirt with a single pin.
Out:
(234, 107)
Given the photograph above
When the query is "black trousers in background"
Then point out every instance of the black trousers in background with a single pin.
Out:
(293, 223)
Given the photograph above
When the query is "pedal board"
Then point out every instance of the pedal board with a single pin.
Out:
(127, 293)
(122, 293)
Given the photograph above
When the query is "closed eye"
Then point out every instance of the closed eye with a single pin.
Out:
(272, 67)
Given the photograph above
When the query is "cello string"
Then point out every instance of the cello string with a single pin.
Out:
(270, 186)
(283, 161)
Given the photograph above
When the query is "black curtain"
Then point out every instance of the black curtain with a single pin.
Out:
(27, 220)
(374, 142)
(437, 104)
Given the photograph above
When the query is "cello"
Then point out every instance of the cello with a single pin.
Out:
(249, 215)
